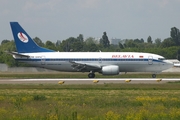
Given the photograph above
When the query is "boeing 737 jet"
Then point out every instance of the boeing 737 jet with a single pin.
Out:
(106, 63)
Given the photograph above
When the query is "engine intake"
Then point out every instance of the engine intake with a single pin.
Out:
(110, 70)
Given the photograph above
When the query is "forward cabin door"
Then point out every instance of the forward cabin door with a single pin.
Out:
(100, 60)
(150, 60)
(43, 60)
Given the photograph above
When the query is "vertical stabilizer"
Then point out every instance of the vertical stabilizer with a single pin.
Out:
(24, 43)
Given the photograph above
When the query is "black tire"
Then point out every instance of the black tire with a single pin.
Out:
(91, 75)
(153, 75)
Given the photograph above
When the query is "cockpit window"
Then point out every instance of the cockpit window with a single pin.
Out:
(161, 59)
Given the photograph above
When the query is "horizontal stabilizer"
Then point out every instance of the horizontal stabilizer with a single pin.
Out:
(17, 54)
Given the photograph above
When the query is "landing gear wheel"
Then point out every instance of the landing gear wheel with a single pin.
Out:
(91, 75)
(153, 75)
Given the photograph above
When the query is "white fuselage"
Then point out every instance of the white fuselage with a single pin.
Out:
(127, 61)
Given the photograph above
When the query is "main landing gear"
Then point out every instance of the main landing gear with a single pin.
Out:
(91, 75)
(153, 75)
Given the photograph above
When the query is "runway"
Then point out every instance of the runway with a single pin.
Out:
(90, 81)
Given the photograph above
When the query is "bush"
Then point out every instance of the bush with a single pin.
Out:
(39, 97)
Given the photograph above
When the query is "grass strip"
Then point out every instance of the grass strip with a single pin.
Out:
(84, 75)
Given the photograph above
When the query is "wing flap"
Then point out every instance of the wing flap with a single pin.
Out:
(81, 66)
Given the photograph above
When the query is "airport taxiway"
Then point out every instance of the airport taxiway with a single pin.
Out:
(89, 81)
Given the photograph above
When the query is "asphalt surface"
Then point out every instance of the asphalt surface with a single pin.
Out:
(89, 81)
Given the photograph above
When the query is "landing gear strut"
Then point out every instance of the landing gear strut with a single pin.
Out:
(153, 75)
(91, 75)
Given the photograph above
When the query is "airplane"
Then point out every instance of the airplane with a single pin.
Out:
(106, 63)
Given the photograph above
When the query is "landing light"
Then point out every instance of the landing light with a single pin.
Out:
(159, 80)
(128, 80)
(95, 81)
(61, 82)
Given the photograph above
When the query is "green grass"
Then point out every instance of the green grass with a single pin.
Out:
(84, 75)
(90, 102)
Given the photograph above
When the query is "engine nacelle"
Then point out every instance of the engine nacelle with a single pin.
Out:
(110, 70)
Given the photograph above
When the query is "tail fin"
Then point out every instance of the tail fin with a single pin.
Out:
(24, 43)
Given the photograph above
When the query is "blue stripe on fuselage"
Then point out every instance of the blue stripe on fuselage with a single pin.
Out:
(87, 59)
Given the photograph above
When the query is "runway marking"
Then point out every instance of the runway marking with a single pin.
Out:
(90, 80)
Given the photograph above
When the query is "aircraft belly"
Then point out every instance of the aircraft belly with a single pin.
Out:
(131, 68)
(63, 66)
(139, 67)
(60, 66)
(123, 66)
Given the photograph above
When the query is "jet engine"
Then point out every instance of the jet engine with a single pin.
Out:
(110, 70)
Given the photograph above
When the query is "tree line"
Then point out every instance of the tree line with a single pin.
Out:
(169, 47)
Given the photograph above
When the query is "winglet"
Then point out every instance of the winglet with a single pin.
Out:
(24, 43)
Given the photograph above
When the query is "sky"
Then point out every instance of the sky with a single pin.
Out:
(60, 19)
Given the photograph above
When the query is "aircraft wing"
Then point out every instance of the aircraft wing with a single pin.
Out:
(81, 66)
(17, 54)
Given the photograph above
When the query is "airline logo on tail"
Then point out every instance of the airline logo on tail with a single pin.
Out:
(22, 37)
